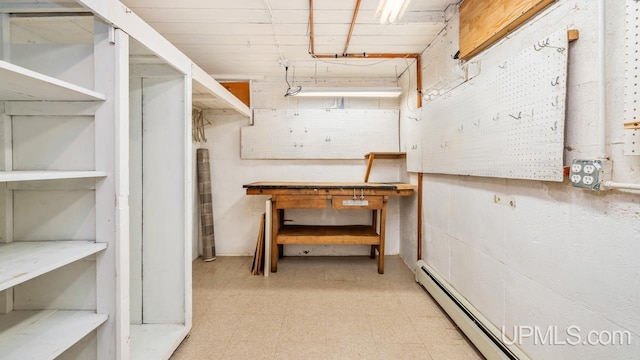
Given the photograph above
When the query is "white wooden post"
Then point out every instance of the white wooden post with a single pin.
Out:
(112, 217)
(6, 195)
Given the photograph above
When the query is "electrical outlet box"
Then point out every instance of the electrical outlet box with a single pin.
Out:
(590, 174)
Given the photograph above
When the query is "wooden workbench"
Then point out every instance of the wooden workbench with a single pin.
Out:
(320, 195)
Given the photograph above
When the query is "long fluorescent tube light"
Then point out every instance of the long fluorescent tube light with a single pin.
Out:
(349, 92)
(391, 10)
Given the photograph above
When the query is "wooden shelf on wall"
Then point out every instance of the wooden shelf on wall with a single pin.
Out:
(381, 155)
(387, 155)
(483, 22)
(44, 334)
(20, 84)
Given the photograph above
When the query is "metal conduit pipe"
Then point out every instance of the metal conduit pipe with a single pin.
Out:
(620, 186)
(602, 80)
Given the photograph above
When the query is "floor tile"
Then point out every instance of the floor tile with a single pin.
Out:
(261, 328)
(453, 352)
(306, 328)
(342, 350)
(287, 350)
(346, 328)
(254, 350)
(403, 351)
(317, 308)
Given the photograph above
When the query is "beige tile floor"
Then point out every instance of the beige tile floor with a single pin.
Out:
(317, 308)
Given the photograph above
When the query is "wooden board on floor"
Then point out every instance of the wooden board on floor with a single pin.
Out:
(257, 266)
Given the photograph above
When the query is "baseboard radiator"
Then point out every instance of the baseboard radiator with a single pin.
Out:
(484, 335)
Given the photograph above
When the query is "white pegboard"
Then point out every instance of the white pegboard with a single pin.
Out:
(507, 122)
(319, 133)
(631, 73)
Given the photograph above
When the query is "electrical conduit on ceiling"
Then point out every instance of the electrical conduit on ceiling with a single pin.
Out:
(363, 55)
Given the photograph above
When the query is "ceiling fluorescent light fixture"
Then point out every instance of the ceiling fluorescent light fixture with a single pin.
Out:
(391, 10)
(370, 92)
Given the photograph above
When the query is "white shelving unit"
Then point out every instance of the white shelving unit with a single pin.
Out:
(96, 169)
(51, 252)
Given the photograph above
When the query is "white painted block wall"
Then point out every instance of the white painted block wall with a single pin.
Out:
(237, 216)
(562, 256)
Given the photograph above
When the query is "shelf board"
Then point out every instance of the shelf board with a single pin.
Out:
(313, 234)
(9, 176)
(387, 155)
(44, 334)
(156, 341)
(25, 260)
(20, 84)
(210, 94)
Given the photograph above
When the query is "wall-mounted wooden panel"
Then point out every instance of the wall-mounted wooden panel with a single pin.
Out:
(483, 22)
(240, 89)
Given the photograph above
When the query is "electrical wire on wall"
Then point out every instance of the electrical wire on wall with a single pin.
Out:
(291, 91)
(198, 123)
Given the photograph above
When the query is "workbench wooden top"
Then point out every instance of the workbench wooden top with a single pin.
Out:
(336, 188)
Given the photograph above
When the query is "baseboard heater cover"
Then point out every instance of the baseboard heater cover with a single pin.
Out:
(482, 333)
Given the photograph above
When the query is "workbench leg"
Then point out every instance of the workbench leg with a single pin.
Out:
(281, 246)
(374, 224)
(383, 222)
(275, 226)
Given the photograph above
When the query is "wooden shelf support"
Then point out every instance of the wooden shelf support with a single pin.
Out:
(381, 155)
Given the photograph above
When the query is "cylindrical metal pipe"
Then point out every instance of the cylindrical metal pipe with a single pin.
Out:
(602, 80)
(621, 186)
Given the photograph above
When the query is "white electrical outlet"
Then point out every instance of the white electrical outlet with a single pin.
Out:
(590, 174)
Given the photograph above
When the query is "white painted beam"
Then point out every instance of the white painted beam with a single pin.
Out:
(213, 87)
(118, 15)
(40, 7)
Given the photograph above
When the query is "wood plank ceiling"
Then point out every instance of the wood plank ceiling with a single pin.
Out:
(250, 38)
